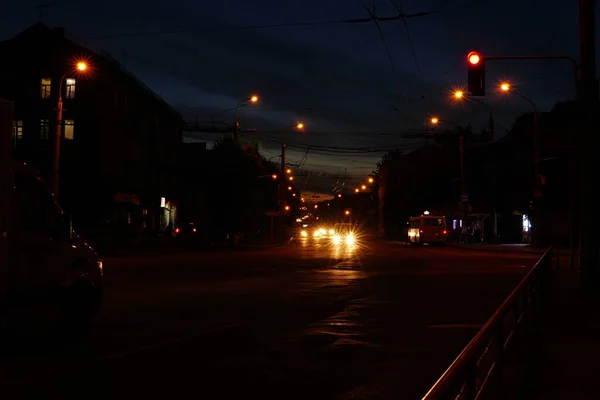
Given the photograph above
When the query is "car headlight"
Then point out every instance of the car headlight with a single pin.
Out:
(337, 239)
(322, 231)
(317, 234)
(331, 231)
(350, 239)
(304, 234)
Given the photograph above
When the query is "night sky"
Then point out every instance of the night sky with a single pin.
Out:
(336, 78)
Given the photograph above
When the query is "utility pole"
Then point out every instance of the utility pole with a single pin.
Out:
(463, 187)
(587, 146)
(282, 186)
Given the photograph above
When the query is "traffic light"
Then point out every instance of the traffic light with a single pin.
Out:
(476, 74)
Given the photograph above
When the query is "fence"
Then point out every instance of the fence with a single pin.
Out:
(488, 361)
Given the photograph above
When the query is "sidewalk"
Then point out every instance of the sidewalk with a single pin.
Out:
(566, 362)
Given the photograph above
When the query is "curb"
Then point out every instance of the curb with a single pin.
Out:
(493, 250)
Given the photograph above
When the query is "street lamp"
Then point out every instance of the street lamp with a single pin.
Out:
(371, 180)
(300, 125)
(507, 88)
(364, 187)
(435, 121)
(458, 94)
(79, 67)
(236, 126)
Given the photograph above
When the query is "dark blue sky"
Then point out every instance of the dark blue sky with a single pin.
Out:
(336, 78)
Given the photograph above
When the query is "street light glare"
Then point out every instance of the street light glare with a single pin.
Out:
(81, 66)
(371, 180)
(300, 126)
(435, 120)
(458, 94)
(505, 87)
(254, 99)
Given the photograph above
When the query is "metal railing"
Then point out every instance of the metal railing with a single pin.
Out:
(481, 360)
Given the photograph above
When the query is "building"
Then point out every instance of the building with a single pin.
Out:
(119, 139)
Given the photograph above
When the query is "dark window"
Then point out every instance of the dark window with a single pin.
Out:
(44, 129)
(414, 224)
(37, 209)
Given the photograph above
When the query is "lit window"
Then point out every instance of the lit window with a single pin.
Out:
(44, 129)
(46, 84)
(69, 129)
(526, 223)
(70, 92)
(17, 131)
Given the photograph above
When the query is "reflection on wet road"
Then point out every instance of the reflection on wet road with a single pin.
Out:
(371, 321)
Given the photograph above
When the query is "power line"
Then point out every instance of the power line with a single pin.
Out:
(373, 17)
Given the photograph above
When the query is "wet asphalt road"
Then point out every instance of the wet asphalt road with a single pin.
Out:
(300, 321)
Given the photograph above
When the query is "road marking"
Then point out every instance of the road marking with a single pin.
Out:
(170, 342)
(456, 326)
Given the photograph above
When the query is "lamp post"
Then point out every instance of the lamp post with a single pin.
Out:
(463, 189)
(80, 67)
(236, 125)
(537, 185)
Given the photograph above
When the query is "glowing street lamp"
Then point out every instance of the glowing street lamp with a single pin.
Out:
(458, 94)
(505, 87)
(300, 125)
(434, 120)
(236, 126)
(80, 67)
(364, 187)
(356, 190)
(371, 180)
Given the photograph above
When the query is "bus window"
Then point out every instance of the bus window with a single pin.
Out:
(433, 222)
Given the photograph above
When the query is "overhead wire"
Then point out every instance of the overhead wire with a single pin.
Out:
(278, 25)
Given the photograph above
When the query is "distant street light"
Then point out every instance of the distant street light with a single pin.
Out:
(371, 180)
(356, 190)
(364, 187)
(300, 125)
(79, 67)
(458, 94)
(434, 120)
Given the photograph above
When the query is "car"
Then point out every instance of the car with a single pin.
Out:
(344, 234)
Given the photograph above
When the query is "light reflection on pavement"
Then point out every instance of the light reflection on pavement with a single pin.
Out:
(305, 320)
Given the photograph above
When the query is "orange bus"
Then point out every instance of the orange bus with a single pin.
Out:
(427, 229)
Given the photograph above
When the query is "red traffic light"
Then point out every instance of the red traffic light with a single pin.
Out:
(474, 58)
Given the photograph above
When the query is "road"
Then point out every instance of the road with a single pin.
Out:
(305, 320)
